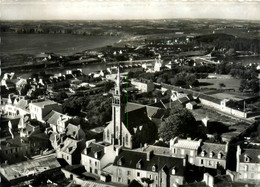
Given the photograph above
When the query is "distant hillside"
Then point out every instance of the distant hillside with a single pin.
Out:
(229, 41)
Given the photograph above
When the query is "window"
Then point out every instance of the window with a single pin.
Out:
(90, 169)
(202, 153)
(246, 167)
(95, 163)
(246, 158)
(108, 134)
(201, 161)
(128, 172)
(126, 139)
(211, 154)
(90, 161)
(128, 181)
(210, 163)
(219, 155)
(138, 174)
(173, 171)
(154, 168)
(96, 171)
(119, 172)
(119, 179)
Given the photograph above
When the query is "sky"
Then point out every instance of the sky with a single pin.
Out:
(128, 9)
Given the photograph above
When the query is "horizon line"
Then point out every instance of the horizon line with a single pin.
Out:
(136, 19)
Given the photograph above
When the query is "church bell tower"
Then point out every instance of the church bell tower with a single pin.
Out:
(117, 112)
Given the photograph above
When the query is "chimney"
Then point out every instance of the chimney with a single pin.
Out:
(149, 155)
(184, 162)
(173, 141)
(226, 148)
(238, 155)
(118, 149)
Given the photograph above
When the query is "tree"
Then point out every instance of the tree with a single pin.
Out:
(243, 85)
(221, 85)
(148, 181)
(180, 123)
(108, 86)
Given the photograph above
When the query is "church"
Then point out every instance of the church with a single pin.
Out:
(128, 129)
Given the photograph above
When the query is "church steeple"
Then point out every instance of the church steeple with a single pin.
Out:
(117, 112)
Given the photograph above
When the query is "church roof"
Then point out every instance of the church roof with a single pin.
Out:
(136, 118)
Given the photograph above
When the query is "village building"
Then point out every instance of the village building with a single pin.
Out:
(96, 156)
(160, 171)
(202, 154)
(143, 85)
(248, 165)
(39, 109)
(17, 173)
(70, 150)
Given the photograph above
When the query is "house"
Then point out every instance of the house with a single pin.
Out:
(15, 149)
(212, 155)
(70, 150)
(16, 106)
(57, 121)
(143, 85)
(191, 105)
(128, 129)
(185, 148)
(160, 171)
(96, 156)
(39, 109)
(9, 128)
(198, 153)
(248, 165)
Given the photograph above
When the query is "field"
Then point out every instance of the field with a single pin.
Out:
(230, 83)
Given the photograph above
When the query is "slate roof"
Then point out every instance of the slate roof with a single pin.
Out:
(132, 106)
(69, 146)
(42, 104)
(183, 100)
(72, 130)
(253, 154)
(209, 98)
(158, 150)
(95, 148)
(152, 111)
(187, 144)
(23, 104)
(136, 118)
(131, 158)
(215, 148)
(20, 170)
(53, 116)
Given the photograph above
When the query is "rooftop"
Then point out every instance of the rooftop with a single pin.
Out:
(23, 169)
(253, 154)
(42, 104)
(131, 158)
(188, 144)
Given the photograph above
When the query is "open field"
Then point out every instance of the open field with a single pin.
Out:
(230, 83)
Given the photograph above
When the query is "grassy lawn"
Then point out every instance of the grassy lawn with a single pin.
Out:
(230, 83)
